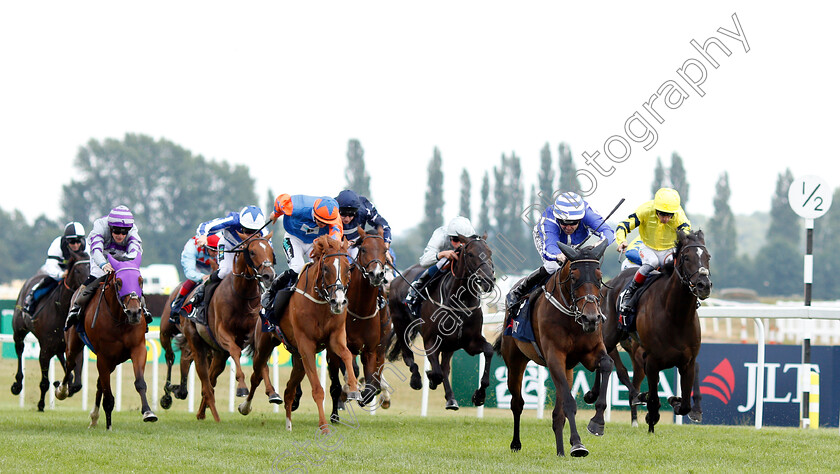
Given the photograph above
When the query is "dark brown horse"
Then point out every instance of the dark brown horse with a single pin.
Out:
(47, 324)
(450, 318)
(566, 318)
(115, 326)
(168, 331)
(232, 313)
(667, 326)
(315, 319)
(366, 333)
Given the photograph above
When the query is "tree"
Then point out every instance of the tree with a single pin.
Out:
(465, 195)
(500, 198)
(545, 179)
(434, 196)
(678, 178)
(568, 170)
(658, 178)
(722, 237)
(24, 247)
(168, 189)
(826, 257)
(484, 212)
(357, 177)
(778, 265)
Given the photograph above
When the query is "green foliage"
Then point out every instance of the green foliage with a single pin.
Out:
(484, 212)
(679, 181)
(568, 171)
(434, 196)
(24, 247)
(465, 195)
(357, 176)
(722, 238)
(658, 178)
(545, 179)
(826, 257)
(168, 189)
(511, 243)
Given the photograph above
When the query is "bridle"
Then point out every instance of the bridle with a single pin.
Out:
(321, 288)
(680, 262)
(70, 270)
(469, 273)
(252, 270)
(131, 296)
(364, 269)
(574, 309)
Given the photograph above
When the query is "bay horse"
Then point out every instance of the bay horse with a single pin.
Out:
(667, 326)
(450, 318)
(115, 328)
(366, 333)
(232, 313)
(313, 320)
(168, 332)
(566, 319)
(47, 324)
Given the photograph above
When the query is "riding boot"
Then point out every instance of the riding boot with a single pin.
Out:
(413, 297)
(85, 294)
(175, 308)
(523, 288)
(285, 280)
(624, 308)
(29, 302)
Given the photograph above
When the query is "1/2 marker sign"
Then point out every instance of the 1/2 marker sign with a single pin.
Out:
(809, 197)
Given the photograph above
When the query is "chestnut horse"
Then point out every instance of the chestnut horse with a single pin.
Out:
(667, 326)
(450, 318)
(232, 313)
(169, 331)
(115, 327)
(366, 333)
(315, 319)
(566, 319)
(47, 324)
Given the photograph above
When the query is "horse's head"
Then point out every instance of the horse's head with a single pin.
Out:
(333, 271)
(128, 285)
(259, 259)
(372, 256)
(581, 284)
(475, 263)
(691, 263)
(78, 269)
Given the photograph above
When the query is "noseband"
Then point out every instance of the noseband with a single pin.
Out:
(687, 280)
(574, 309)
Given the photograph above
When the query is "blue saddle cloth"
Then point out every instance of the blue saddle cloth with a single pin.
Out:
(520, 326)
(80, 329)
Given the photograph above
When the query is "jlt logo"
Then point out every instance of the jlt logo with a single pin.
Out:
(770, 395)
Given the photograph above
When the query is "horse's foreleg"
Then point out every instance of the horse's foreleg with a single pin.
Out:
(17, 385)
(565, 407)
(208, 398)
(445, 367)
(138, 362)
(480, 345)
(75, 367)
(94, 413)
(338, 345)
(435, 375)
(333, 366)
(371, 366)
(260, 371)
(292, 386)
(602, 378)
(516, 363)
(228, 343)
(44, 360)
(696, 413)
(307, 355)
(652, 396)
(105, 368)
(72, 353)
(682, 406)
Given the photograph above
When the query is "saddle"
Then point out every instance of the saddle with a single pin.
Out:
(519, 325)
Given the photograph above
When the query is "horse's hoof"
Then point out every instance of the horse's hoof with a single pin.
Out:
(16, 388)
(590, 397)
(167, 388)
(180, 392)
(241, 392)
(636, 400)
(275, 399)
(244, 408)
(634, 423)
(166, 401)
(515, 446)
(334, 418)
(386, 404)
(61, 392)
(415, 383)
(41, 406)
(675, 402)
(696, 416)
(357, 396)
(452, 405)
(149, 417)
(579, 451)
(288, 424)
(74, 389)
(595, 428)
(478, 397)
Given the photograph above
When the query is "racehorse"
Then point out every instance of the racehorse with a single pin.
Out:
(667, 326)
(450, 318)
(168, 331)
(315, 319)
(115, 329)
(47, 323)
(565, 316)
(366, 333)
(232, 313)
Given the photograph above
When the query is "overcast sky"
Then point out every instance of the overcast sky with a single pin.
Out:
(282, 86)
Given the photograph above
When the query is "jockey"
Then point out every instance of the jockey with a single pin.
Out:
(658, 222)
(233, 229)
(115, 234)
(55, 267)
(357, 211)
(440, 250)
(304, 219)
(570, 220)
(198, 263)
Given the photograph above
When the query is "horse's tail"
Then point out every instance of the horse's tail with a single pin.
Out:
(249, 347)
(497, 346)
(181, 343)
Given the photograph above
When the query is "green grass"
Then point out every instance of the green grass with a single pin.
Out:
(395, 440)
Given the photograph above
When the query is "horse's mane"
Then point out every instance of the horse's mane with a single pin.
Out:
(324, 245)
